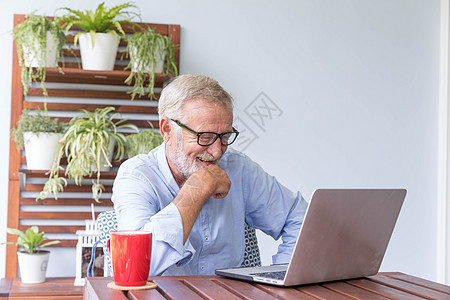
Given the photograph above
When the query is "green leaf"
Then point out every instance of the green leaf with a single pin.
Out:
(14, 231)
(145, 49)
(31, 37)
(85, 144)
(49, 244)
(142, 142)
(34, 229)
(101, 20)
(36, 123)
(30, 239)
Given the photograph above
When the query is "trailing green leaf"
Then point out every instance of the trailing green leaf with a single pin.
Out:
(31, 37)
(53, 186)
(145, 49)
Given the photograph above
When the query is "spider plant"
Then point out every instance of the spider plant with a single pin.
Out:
(85, 145)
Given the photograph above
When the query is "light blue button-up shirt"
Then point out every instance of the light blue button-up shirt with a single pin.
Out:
(143, 192)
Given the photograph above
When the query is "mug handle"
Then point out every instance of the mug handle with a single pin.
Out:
(108, 246)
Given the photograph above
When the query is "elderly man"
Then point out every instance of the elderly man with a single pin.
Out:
(194, 194)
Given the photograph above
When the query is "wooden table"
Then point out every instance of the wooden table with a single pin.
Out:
(382, 286)
(53, 288)
(5, 287)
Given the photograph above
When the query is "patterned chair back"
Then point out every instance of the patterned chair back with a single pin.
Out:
(107, 222)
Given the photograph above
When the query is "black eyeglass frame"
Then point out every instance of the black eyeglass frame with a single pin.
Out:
(198, 134)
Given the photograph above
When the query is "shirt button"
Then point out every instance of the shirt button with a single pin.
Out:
(202, 268)
(206, 239)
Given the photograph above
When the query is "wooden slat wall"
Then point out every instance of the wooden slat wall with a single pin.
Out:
(67, 95)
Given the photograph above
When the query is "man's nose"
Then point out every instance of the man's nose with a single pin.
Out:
(215, 149)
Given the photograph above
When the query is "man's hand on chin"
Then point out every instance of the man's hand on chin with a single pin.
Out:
(211, 180)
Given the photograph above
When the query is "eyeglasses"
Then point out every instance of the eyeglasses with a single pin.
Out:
(208, 138)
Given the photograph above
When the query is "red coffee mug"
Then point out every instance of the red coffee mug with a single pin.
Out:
(130, 252)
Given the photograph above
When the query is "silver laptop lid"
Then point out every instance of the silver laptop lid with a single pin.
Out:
(344, 235)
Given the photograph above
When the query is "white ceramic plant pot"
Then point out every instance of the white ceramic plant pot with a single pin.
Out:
(34, 59)
(41, 149)
(103, 166)
(101, 56)
(33, 266)
(137, 67)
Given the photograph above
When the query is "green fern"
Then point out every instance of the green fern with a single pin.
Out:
(102, 20)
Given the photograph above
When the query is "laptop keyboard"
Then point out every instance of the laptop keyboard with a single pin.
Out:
(279, 275)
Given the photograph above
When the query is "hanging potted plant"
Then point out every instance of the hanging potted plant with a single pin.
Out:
(32, 260)
(142, 142)
(39, 135)
(101, 32)
(149, 53)
(88, 144)
(39, 43)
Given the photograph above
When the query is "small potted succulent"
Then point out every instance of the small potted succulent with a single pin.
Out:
(39, 43)
(39, 134)
(149, 53)
(32, 260)
(101, 32)
(88, 144)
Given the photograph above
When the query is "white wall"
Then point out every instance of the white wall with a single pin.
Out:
(352, 86)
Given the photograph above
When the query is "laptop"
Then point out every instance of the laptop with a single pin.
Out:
(344, 235)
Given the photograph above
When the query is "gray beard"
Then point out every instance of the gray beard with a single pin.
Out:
(184, 164)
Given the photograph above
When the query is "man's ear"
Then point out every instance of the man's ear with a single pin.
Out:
(165, 129)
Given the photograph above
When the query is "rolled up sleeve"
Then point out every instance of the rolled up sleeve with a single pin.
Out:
(140, 206)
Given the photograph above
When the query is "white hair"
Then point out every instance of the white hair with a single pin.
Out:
(187, 87)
